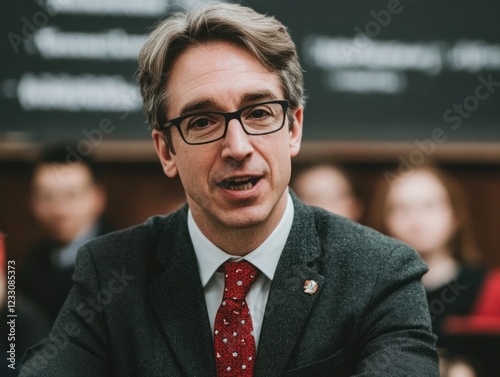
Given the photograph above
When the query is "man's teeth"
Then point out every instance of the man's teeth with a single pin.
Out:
(239, 184)
(245, 186)
(240, 179)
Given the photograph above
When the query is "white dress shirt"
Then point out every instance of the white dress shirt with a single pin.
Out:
(265, 258)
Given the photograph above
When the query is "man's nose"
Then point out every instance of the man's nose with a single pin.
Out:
(236, 144)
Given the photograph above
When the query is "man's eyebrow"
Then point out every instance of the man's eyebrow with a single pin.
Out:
(198, 105)
(210, 104)
(258, 96)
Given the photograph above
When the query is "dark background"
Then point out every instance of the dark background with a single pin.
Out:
(411, 112)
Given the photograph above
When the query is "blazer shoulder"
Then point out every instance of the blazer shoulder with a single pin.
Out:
(135, 241)
(342, 230)
(357, 244)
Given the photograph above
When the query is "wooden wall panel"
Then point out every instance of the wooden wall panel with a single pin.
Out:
(139, 190)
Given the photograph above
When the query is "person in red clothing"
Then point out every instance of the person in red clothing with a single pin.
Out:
(426, 208)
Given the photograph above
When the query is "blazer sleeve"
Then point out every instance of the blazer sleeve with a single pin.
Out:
(395, 333)
(76, 346)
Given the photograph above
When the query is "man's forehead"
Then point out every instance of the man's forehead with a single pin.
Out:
(211, 75)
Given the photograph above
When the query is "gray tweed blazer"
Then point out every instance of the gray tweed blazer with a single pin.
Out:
(137, 307)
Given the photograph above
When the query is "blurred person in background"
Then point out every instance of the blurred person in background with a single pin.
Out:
(329, 187)
(29, 325)
(456, 366)
(68, 203)
(427, 209)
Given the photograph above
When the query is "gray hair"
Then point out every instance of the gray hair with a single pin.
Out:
(264, 36)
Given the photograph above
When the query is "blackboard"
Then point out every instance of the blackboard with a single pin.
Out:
(374, 70)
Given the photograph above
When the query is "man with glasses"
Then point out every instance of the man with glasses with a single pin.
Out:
(245, 280)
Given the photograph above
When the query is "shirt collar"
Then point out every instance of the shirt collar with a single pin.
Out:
(265, 257)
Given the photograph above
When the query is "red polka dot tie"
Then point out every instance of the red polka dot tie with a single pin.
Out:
(234, 341)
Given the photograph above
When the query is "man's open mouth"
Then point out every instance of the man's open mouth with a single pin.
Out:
(244, 183)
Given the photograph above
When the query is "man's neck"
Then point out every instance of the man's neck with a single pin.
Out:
(241, 241)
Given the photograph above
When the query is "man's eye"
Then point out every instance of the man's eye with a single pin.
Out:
(198, 123)
(259, 113)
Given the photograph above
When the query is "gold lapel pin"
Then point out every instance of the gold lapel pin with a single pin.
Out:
(310, 287)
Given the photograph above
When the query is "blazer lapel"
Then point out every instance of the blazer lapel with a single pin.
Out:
(288, 307)
(178, 299)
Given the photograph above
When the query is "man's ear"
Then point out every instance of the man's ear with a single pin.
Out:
(164, 154)
(296, 131)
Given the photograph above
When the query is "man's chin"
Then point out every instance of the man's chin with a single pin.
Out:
(241, 224)
(243, 218)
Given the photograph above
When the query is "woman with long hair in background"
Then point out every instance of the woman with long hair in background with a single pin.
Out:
(427, 208)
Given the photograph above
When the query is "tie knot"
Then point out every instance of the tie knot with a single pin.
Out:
(238, 278)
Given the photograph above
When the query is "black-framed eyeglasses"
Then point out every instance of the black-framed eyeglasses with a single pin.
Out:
(208, 126)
